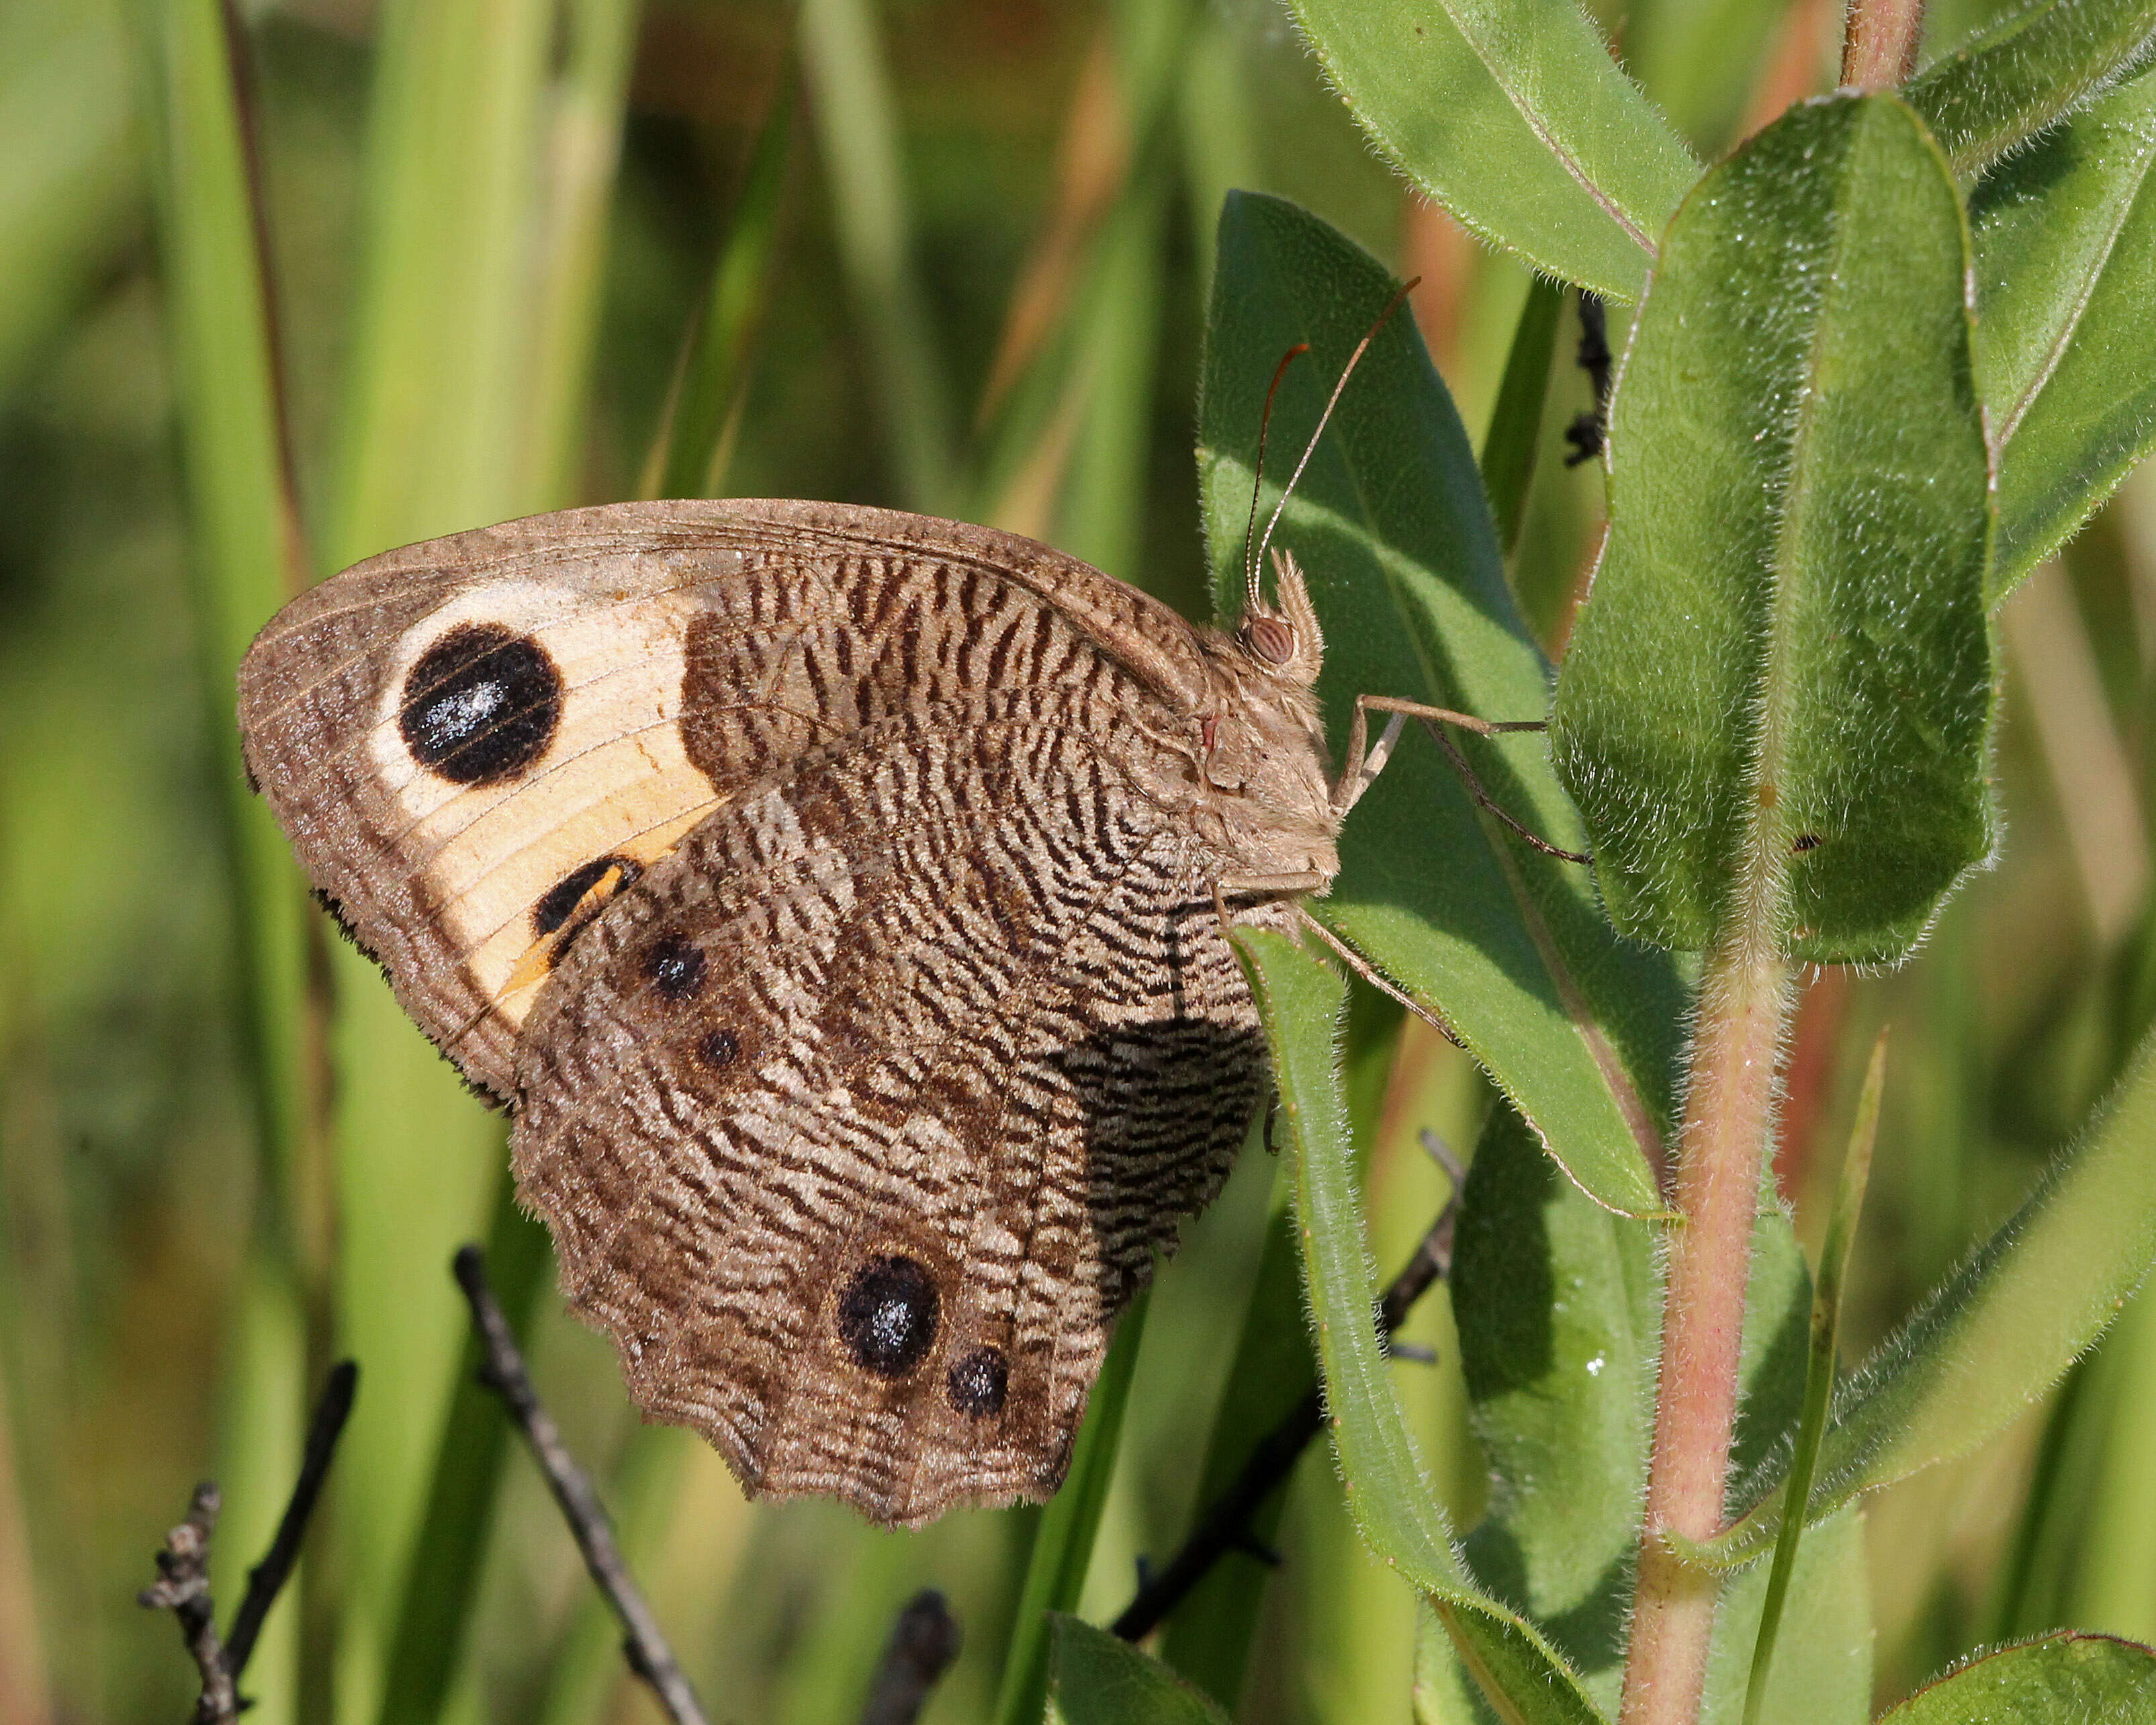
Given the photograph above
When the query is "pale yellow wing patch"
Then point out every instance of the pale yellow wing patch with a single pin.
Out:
(613, 782)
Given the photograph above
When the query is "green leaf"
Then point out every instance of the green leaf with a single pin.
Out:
(1558, 1304)
(1097, 1679)
(1393, 531)
(1998, 1331)
(1822, 1673)
(1063, 1538)
(1300, 1001)
(1514, 117)
(1783, 670)
(2063, 1679)
(1207, 1639)
(2066, 251)
(2014, 78)
(1559, 1308)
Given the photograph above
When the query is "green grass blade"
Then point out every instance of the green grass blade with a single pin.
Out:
(2064, 1679)
(1300, 1001)
(1392, 527)
(1784, 670)
(2001, 1330)
(1063, 1540)
(1994, 92)
(841, 58)
(581, 146)
(1097, 1679)
(1700, 61)
(68, 172)
(689, 456)
(435, 1606)
(245, 556)
(476, 243)
(2066, 268)
(1835, 1253)
(1515, 118)
(1516, 422)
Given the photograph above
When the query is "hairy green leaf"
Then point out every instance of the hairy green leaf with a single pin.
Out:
(2065, 269)
(2017, 76)
(1299, 1000)
(1783, 670)
(2063, 1679)
(1097, 1679)
(1514, 117)
(1998, 1331)
(1392, 528)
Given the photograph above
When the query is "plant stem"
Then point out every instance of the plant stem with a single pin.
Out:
(1879, 42)
(1729, 1102)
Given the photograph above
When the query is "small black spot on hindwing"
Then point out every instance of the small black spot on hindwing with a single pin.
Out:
(565, 894)
(718, 1051)
(481, 704)
(976, 1383)
(674, 967)
(887, 1315)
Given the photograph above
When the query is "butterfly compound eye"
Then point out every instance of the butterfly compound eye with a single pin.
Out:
(1270, 639)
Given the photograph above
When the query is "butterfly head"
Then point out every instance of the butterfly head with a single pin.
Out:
(1265, 754)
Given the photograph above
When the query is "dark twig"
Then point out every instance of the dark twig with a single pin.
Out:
(645, 1646)
(267, 1579)
(183, 1588)
(1586, 430)
(1225, 1526)
(923, 1643)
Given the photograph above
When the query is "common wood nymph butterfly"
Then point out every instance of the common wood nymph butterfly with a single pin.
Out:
(833, 896)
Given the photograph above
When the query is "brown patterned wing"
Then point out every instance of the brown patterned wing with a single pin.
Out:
(468, 739)
(858, 1119)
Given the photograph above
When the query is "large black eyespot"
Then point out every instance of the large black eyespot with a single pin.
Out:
(887, 1315)
(976, 1384)
(481, 704)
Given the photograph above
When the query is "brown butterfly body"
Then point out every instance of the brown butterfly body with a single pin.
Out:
(834, 897)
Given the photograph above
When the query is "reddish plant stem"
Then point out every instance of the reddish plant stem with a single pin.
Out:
(1879, 42)
(1729, 1107)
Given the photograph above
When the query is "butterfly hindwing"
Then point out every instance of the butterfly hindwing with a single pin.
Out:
(857, 1120)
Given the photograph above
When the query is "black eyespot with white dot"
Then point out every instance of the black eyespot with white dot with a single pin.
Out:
(976, 1383)
(565, 894)
(674, 967)
(887, 1315)
(717, 1050)
(481, 704)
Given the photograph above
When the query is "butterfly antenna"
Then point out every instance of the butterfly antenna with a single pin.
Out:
(1310, 448)
(1258, 480)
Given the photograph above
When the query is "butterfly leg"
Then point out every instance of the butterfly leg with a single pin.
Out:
(1365, 763)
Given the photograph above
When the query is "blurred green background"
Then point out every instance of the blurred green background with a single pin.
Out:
(970, 278)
